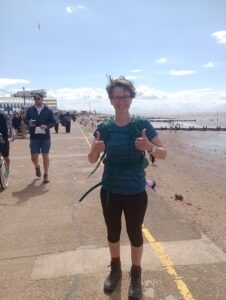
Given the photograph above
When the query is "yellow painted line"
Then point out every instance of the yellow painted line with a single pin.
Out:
(84, 135)
(163, 256)
(168, 264)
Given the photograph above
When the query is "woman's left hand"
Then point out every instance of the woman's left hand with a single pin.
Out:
(142, 143)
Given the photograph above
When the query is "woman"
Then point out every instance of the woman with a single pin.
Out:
(123, 181)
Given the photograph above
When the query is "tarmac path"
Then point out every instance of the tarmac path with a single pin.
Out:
(52, 247)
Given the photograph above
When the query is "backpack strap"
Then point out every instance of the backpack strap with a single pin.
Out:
(136, 131)
(99, 162)
(105, 131)
(136, 127)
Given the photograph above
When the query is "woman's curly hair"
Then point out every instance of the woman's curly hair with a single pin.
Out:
(121, 82)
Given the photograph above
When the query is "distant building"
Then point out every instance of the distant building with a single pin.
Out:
(29, 94)
(51, 103)
(14, 103)
(24, 99)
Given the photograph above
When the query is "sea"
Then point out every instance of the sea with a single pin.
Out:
(209, 120)
(213, 142)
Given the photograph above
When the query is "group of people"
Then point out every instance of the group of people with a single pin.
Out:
(123, 185)
(64, 119)
(38, 119)
(20, 127)
(18, 123)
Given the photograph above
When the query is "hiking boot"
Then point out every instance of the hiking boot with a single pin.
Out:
(45, 178)
(38, 171)
(135, 289)
(113, 278)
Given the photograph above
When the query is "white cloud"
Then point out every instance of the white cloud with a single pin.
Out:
(148, 100)
(131, 77)
(161, 60)
(81, 7)
(208, 65)
(145, 92)
(223, 97)
(186, 101)
(182, 72)
(220, 36)
(137, 71)
(81, 98)
(69, 9)
(4, 82)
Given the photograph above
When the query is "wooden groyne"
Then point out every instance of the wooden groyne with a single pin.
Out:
(171, 120)
(192, 128)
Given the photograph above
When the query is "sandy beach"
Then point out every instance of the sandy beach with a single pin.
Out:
(197, 173)
(196, 169)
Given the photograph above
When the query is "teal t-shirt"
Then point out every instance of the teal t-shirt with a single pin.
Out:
(120, 151)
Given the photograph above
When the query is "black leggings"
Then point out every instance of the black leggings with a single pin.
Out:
(134, 207)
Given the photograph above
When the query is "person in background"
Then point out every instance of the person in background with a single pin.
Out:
(4, 132)
(40, 119)
(68, 122)
(73, 116)
(16, 122)
(57, 119)
(23, 124)
(125, 191)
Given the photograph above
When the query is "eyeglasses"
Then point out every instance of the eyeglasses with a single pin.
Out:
(124, 98)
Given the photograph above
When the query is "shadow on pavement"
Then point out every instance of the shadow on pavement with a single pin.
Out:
(116, 295)
(30, 191)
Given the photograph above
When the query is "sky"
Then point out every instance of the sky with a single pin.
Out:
(173, 51)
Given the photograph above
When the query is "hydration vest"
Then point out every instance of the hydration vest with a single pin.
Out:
(135, 131)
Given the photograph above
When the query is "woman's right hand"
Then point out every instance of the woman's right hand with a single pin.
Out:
(98, 145)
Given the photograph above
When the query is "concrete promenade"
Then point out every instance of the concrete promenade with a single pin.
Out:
(52, 247)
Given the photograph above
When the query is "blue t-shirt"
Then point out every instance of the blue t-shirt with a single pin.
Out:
(120, 151)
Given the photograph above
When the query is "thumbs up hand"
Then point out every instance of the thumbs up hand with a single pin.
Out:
(98, 145)
(142, 143)
(97, 136)
(143, 133)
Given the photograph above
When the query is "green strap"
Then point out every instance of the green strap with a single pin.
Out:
(94, 187)
(106, 132)
(99, 162)
(144, 162)
(90, 190)
(141, 163)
